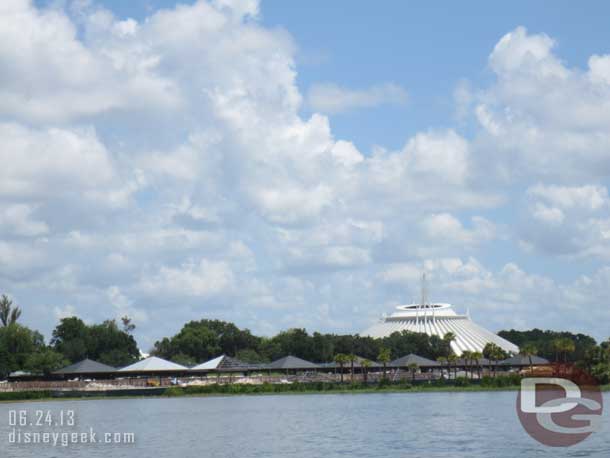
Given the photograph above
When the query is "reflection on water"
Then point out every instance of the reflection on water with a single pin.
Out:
(353, 425)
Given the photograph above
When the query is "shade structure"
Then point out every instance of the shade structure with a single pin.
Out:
(471, 362)
(357, 363)
(438, 320)
(291, 363)
(224, 363)
(153, 365)
(521, 360)
(409, 359)
(86, 367)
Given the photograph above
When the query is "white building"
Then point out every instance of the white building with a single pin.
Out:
(439, 319)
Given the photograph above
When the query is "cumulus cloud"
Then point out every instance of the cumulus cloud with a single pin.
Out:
(162, 168)
(543, 119)
(201, 279)
(331, 98)
(445, 227)
(586, 197)
(18, 219)
(50, 75)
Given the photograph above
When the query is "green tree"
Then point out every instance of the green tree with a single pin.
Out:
(341, 359)
(476, 357)
(467, 358)
(451, 360)
(567, 347)
(442, 360)
(529, 350)
(103, 342)
(70, 339)
(448, 338)
(545, 342)
(8, 313)
(251, 356)
(365, 364)
(351, 359)
(45, 361)
(384, 358)
(17, 343)
(128, 326)
(494, 354)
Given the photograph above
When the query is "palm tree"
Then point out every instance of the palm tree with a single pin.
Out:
(451, 359)
(567, 347)
(351, 358)
(442, 360)
(341, 359)
(557, 347)
(384, 358)
(365, 364)
(494, 354)
(467, 357)
(529, 350)
(448, 339)
(476, 357)
(413, 368)
(8, 313)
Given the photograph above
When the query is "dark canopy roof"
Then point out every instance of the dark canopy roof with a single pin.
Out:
(86, 366)
(521, 360)
(411, 358)
(291, 362)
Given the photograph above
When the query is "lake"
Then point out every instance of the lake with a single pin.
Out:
(443, 425)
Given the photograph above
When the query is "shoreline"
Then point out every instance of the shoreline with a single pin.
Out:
(179, 392)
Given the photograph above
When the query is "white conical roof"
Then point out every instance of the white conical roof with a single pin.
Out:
(439, 319)
(153, 364)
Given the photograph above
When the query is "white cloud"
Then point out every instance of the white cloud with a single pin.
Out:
(540, 118)
(574, 220)
(161, 168)
(551, 215)
(331, 99)
(202, 279)
(18, 219)
(124, 306)
(441, 155)
(446, 227)
(50, 75)
(56, 163)
(67, 311)
(589, 197)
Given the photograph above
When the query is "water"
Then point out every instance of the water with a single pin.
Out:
(430, 425)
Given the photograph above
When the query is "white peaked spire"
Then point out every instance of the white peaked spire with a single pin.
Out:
(424, 298)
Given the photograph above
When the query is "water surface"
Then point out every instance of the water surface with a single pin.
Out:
(430, 425)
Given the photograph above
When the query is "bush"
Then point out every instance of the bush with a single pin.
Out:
(24, 395)
(461, 381)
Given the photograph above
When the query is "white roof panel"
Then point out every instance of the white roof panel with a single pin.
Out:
(153, 364)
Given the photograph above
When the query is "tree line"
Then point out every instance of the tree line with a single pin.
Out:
(73, 340)
(202, 340)
(112, 343)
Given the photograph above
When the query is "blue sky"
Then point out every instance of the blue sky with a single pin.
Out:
(280, 164)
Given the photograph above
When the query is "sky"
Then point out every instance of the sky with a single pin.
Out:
(283, 165)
